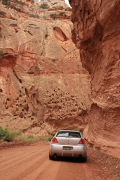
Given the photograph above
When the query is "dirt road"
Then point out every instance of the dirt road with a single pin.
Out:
(32, 163)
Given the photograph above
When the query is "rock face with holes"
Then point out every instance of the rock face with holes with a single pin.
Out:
(43, 85)
(96, 34)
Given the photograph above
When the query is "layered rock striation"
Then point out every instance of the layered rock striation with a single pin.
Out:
(97, 34)
(43, 85)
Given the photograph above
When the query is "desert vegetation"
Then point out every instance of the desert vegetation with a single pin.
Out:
(6, 2)
(20, 3)
(34, 15)
(44, 6)
(1, 53)
(7, 136)
(53, 16)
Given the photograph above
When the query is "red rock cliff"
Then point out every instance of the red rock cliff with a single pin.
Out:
(97, 34)
(43, 85)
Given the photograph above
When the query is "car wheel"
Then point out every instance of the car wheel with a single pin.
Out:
(51, 157)
(84, 159)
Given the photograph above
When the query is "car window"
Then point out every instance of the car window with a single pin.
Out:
(69, 134)
(74, 134)
(63, 134)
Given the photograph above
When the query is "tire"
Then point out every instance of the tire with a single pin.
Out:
(84, 159)
(51, 157)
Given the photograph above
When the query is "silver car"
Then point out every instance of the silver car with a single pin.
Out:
(68, 143)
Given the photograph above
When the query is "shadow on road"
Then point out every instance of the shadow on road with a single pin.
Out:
(69, 159)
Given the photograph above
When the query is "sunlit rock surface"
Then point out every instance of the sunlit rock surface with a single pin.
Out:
(43, 85)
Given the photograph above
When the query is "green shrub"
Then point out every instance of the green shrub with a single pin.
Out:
(34, 16)
(21, 138)
(5, 135)
(2, 132)
(49, 138)
(45, 138)
(44, 6)
(30, 136)
(6, 2)
(20, 2)
(1, 53)
(18, 133)
(53, 16)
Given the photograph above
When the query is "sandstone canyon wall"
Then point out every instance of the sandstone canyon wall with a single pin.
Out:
(43, 85)
(97, 34)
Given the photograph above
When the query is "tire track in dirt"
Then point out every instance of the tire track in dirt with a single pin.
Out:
(50, 171)
(88, 172)
(22, 163)
(15, 158)
(18, 161)
(72, 168)
(35, 172)
(31, 167)
(12, 151)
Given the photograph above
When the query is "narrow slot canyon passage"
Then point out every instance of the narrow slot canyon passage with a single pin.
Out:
(59, 69)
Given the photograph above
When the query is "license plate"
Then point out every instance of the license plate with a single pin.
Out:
(67, 148)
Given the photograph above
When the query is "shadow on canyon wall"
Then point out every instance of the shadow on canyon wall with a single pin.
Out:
(96, 34)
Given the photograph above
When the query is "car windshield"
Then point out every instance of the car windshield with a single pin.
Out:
(68, 134)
